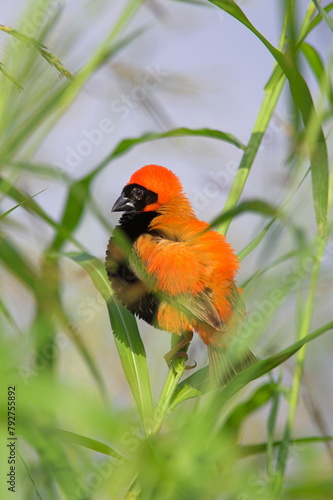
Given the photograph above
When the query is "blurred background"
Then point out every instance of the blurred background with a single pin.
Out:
(171, 64)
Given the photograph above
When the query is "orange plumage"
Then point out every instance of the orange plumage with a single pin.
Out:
(177, 274)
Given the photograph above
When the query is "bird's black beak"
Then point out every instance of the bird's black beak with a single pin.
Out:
(123, 204)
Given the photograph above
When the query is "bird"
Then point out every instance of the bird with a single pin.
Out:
(174, 271)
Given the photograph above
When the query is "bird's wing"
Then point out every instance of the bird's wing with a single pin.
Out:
(201, 306)
(236, 301)
(176, 272)
(172, 266)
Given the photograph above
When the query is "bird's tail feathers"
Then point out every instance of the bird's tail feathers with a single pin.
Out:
(223, 366)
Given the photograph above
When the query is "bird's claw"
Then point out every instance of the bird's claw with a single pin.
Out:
(177, 355)
(190, 367)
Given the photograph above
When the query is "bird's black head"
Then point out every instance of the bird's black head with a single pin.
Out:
(135, 198)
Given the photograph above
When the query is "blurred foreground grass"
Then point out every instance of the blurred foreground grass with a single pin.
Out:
(75, 441)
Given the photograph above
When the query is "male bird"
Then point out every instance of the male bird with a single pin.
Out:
(167, 268)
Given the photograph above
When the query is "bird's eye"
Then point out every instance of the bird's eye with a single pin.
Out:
(137, 194)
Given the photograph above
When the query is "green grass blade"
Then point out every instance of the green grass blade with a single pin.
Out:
(45, 294)
(302, 97)
(198, 383)
(254, 449)
(62, 97)
(175, 373)
(10, 77)
(265, 366)
(133, 359)
(258, 398)
(317, 66)
(91, 444)
(256, 206)
(84, 351)
(127, 337)
(78, 195)
(256, 241)
(193, 386)
(95, 270)
(272, 424)
(313, 58)
(79, 191)
(39, 170)
(44, 52)
(317, 20)
(264, 269)
(328, 20)
(127, 144)
(8, 316)
(2, 216)
(260, 236)
(31, 479)
(16, 263)
(312, 488)
(31, 206)
(272, 95)
(55, 463)
(180, 132)
(303, 328)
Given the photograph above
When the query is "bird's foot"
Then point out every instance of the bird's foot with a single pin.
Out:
(170, 356)
(180, 354)
(179, 351)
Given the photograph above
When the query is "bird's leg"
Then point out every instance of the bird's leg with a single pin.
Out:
(179, 350)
